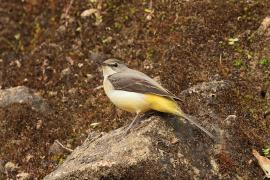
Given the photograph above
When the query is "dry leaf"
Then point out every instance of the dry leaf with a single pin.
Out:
(88, 12)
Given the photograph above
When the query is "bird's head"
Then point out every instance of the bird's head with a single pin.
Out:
(112, 66)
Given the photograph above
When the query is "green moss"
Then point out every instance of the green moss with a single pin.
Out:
(132, 10)
(36, 33)
(126, 18)
(150, 53)
(248, 97)
(266, 150)
(118, 25)
(264, 61)
(238, 63)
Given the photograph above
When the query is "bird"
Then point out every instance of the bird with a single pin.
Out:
(135, 92)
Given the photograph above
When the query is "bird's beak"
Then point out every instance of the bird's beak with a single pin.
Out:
(103, 64)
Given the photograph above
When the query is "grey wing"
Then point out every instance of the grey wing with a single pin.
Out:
(135, 83)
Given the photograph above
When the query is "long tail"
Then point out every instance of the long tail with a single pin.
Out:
(192, 120)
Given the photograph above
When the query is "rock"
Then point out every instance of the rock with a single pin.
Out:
(72, 90)
(150, 150)
(23, 176)
(263, 32)
(208, 96)
(264, 27)
(28, 158)
(65, 72)
(89, 76)
(39, 124)
(206, 88)
(23, 95)
(10, 166)
(56, 149)
(80, 65)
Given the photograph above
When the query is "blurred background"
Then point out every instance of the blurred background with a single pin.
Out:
(49, 47)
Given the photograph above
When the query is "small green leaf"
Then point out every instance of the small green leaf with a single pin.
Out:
(263, 61)
(232, 41)
(266, 150)
(238, 63)
(151, 11)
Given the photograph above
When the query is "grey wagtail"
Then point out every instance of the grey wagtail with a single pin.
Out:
(135, 92)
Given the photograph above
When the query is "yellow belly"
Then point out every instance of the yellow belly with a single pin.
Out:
(162, 104)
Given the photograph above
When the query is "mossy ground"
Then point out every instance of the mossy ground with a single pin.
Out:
(182, 42)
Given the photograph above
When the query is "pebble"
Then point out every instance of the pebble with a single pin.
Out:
(10, 166)
(65, 72)
(55, 149)
(23, 176)
(80, 65)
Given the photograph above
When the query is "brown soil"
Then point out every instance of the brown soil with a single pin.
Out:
(184, 43)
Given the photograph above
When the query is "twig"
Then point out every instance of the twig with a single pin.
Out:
(230, 117)
(67, 11)
(68, 8)
(220, 59)
(62, 146)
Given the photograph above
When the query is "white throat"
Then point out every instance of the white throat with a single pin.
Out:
(107, 71)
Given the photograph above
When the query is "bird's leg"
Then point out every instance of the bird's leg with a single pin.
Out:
(132, 123)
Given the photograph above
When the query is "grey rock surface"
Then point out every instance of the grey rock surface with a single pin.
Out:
(23, 95)
(156, 149)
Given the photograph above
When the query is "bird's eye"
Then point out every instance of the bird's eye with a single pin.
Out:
(115, 65)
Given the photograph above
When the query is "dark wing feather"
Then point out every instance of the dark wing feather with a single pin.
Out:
(133, 83)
